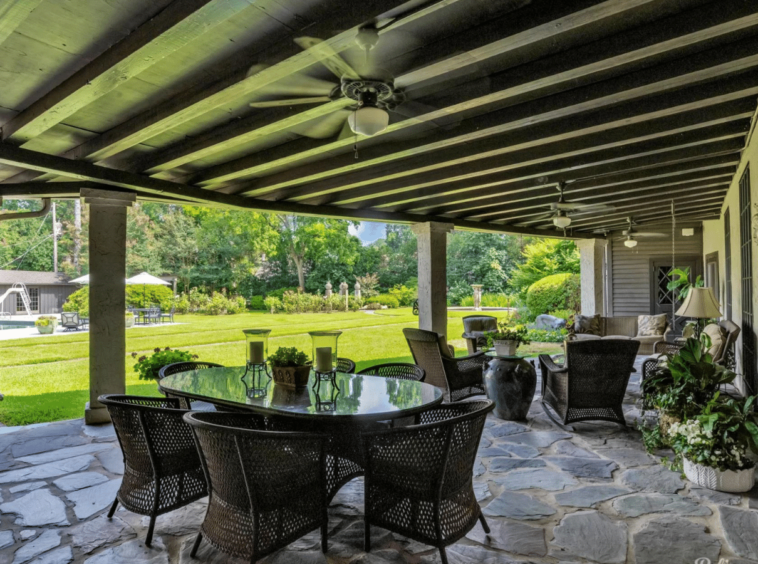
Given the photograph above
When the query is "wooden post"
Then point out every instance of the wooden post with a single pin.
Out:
(592, 265)
(432, 275)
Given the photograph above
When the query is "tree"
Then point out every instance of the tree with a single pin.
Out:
(481, 258)
(542, 258)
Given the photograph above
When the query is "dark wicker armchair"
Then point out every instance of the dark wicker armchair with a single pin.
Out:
(267, 488)
(418, 479)
(460, 377)
(592, 382)
(176, 367)
(660, 349)
(475, 329)
(162, 469)
(399, 370)
(345, 365)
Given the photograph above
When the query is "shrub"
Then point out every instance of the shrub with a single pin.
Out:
(236, 304)
(45, 320)
(280, 292)
(138, 295)
(218, 304)
(148, 366)
(557, 291)
(385, 300)
(78, 302)
(490, 300)
(562, 313)
(256, 303)
(373, 305)
(354, 303)
(368, 284)
(547, 336)
(273, 304)
(459, 292)
(404, 295)
(182, 304)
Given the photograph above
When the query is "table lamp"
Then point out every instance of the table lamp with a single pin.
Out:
(700, 303)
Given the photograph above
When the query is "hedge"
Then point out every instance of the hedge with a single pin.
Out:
(557, 291)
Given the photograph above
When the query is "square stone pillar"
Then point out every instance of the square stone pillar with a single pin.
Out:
(107, 297)
(432, 275)
(592, 261)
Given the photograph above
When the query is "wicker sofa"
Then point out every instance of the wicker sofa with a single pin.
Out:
(623, 327)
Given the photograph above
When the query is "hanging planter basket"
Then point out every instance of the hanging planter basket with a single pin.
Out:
(732, 481)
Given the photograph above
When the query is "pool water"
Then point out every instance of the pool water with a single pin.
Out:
(17, 325)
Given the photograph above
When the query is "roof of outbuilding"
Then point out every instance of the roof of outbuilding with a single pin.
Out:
(33, 278)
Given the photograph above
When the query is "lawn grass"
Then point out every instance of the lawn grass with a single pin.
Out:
(47, 379)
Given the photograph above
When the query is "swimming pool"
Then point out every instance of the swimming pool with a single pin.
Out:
(15, 324)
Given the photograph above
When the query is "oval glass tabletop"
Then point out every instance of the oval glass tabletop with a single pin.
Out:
(351, 395)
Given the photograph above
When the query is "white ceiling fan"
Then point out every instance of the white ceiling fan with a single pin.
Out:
(561, 211)
(630, 235)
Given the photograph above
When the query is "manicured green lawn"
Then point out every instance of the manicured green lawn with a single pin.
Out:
(46, 378)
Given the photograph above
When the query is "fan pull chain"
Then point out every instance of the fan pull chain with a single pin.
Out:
(673, 264)
(355, 146)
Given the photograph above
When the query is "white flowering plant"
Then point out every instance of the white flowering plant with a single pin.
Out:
(720, 437)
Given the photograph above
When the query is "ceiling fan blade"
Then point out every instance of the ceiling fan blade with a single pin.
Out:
(328, 57)
(651, 234)
(324, 127)
(572, 206)
(346, 132)
(290, 102)
(411, 109)
(296, 85)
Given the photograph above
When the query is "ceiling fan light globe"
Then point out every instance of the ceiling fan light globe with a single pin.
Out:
(561, 221)
(631, 243)
(368, 121)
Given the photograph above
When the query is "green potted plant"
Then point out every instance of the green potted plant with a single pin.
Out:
(46, 324)
(713, 446)
(148, 366)
(507, 339)
(290, 367)
(129, 319)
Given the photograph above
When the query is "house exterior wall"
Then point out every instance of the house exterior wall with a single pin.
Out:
(51, 298)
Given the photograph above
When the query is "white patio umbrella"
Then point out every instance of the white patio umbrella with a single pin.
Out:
(146, 279)
(81, 280)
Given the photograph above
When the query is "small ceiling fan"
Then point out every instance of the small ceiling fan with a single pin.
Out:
(372, 89)
(562, 210)
(630, 235)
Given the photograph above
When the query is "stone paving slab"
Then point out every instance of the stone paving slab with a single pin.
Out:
(550, 496)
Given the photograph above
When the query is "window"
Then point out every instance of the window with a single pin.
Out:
(728, 263)
(746, 275)
(33, 301)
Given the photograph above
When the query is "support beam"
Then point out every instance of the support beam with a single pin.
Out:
(107, 298)
(592, 273)
(180, 23)
(13, 13)
(432, 275)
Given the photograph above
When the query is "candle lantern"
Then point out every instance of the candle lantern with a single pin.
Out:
(256, 344)
(325, 352)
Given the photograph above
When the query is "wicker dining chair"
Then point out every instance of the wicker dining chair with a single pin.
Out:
(419, 479)
(346, 366)
(162, 469)
(267, 488)
(399, 370)
(592, 382)
(459, 377)
(176, 367)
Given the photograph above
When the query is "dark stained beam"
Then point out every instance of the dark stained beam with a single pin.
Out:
(505, 192)
(152, 187)
(180, 23)
(13, 13)
(563, 72)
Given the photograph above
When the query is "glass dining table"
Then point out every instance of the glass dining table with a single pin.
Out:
(343, 408)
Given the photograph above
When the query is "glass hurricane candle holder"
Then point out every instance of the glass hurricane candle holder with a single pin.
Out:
(325, 351)
(256, 341)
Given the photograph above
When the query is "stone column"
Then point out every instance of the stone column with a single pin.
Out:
(358, 290)
(107, 297)
(592, 260)
(432, 275)
(477, 296)
(328, 293)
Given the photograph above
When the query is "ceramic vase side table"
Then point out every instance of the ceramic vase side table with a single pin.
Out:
(510, 382)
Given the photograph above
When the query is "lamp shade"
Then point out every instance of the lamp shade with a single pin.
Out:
(631, 243)
(561, 221)
(368, 120)
(700, 303)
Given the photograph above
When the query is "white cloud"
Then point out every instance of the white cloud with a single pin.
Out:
(368, 231)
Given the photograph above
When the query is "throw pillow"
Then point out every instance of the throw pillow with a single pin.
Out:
(651, 325)
(718, 339)
(587, 324)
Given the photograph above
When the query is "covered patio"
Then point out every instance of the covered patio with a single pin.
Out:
(596, 120)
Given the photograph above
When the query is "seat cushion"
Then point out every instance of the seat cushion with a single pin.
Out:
(651, 325)
(621, 337)
(479, 324)
(718, 339)
(585, 337)
(587, 324)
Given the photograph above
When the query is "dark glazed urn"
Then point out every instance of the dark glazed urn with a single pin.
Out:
(510, 383)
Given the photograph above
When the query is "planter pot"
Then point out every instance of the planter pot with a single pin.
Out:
(129, 321)
(510, 383)
(291, 376)
(506, 348)
(733, 481)
(46, 329)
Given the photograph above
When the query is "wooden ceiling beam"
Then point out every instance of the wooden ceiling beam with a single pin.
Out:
(180, 23)
(151, 187)
(509, 88)
(13, 13)
(539, 146)
(504, 192)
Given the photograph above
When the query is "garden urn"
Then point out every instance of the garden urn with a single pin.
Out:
(731, 481)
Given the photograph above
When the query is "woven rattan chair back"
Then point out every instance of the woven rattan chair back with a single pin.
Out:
(177, 367)
(399, 370)
(419, 478)
(345, 365)
(162, 469)
(267, 488)
(426, 351)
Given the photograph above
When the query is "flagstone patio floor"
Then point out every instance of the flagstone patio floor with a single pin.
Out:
(591, 495)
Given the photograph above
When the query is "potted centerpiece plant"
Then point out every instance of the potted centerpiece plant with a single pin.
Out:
(712, 448)
(46, 324)
(290, 367)
(148, 367)
(129, 319)
(507, 338)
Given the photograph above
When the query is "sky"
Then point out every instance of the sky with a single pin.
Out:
(368, 231)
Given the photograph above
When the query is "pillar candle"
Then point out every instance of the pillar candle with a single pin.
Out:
(324, 359)
(256, 352)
